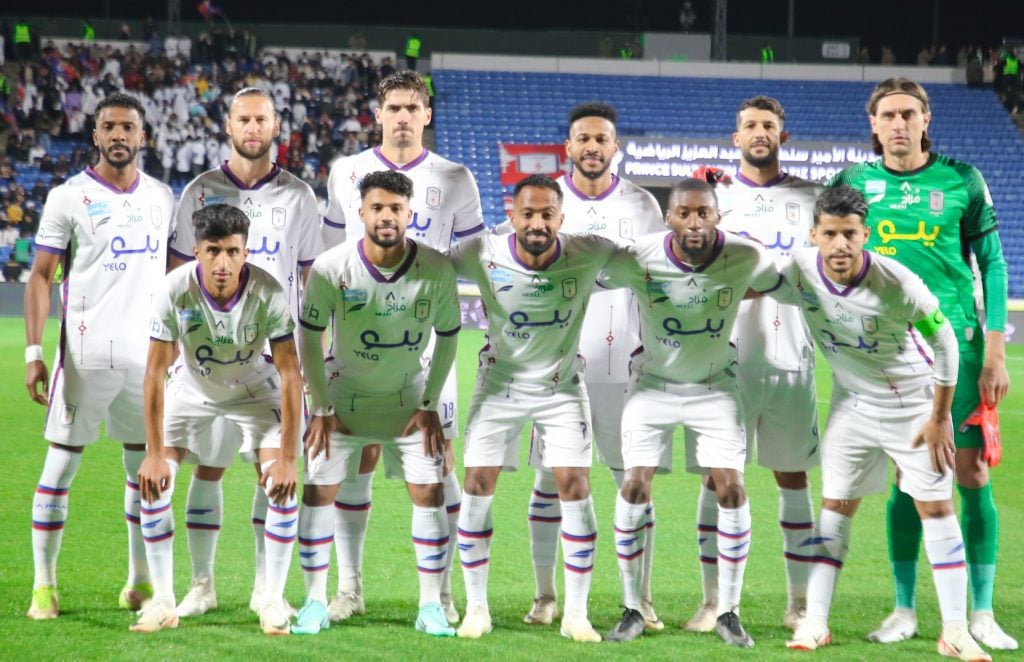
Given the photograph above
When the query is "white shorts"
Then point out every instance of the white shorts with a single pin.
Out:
(562, 432)
(189, 415)
(82, 399)
(781, 416)
(448, 407)
(710, 412)
(859, 440)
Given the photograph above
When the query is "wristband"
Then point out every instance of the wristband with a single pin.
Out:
(323, 411)
(33, 353)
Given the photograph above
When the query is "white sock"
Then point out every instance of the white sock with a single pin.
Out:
(474, 532)
(733, 548)
(630, 536)
(707, 543)
(204, 511)
(430, 545)
(158, 523)
(944, 545)
(579, 547)
(281, 530)
(259, 527)
(452, 503)
(316, 533)
(645, 588)
(138, 568)
(351, 517)
(796, 518)
(829, 544)
(50, 511)
(545, 519)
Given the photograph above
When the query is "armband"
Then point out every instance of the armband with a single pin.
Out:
(931, 324)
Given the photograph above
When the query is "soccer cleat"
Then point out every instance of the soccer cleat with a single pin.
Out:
(729, 628)
(200, 599)
(312, 618)
(957, 642)
(451, 614)
(793, 616)
(629, 627)
(44, 603)
(133, 596)
(256, 602)
(543, 612)
(899, 625)
(577, 627)
(704, 620)
(988, 633)
(811, 634)
(345, 605)
(476, 623)
(651, 620)
(432, 620)
(156, 615)
(274, 618)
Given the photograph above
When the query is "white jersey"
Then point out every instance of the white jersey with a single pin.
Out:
(114, 245)
(687, 314)
(382, 317)
(445, 199)
(534, 317)
(222, 346)
(283, 222)
(611, 328)
(865, 329)
(779, 215)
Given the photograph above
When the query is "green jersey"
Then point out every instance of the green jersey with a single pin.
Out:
(927, 219)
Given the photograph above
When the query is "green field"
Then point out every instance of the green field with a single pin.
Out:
(93, 564)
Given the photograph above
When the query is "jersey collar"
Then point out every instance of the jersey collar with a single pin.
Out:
(99, 178)
(274, 171)
(408, 166)
(909, 173)
(515, 256)
(715, 252)
(583, 196)
(831, 286)
(777, 179)
(243, 280)
(410, 255)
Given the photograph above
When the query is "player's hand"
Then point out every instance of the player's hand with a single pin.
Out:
(938, 436)
(282, 478)
(36, 374)
(318, 435)
(154, 477)
(994, 382)
(429, 423)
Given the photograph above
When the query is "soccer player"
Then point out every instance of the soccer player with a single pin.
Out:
(385, 294)
(930, 212)
(595, 201)
(535, 284)
(220, 314)
(690, 282)
(284, 240)
(890, 399)
(446, 203)
(108, 226)
(776, 356)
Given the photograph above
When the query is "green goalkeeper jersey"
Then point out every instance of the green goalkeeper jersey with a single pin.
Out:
(927, 219)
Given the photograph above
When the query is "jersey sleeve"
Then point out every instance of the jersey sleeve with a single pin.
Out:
(183, 240)
(448, 318)
(994, 278)
(57, 225)
(622, 269)
(317, 299)
(464, 257)
(310, 242)
(980, 217)
(332, 228)
(918, 301)
(766, 277)
(469, 219)
(164, 323)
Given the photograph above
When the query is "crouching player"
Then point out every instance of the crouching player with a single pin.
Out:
(890, 399)
(220, 312)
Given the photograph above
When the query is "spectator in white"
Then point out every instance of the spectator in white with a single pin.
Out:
(171, 46)
(185, 47)
(350, 125)
(197, 152)
(687, 17)
(111, 67)
(182, 164)
(212, 151)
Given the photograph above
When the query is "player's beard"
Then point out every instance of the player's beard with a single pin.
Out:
(535, 248)
(123, 161)
(389, 242)
(766, 161)
(591, 174)
(695, 254)
(249, 153)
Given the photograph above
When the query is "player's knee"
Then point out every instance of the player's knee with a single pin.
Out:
(791, 480)
(426, 496)
(635, 489)
(573, 484)
(318, 495)
(71, 449)
(971, 468)
(730, 490)
(934, 509)
(368, 459)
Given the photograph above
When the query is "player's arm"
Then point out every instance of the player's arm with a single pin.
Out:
(426, 418)
(937, 433)
(282, 474)
(154, 473)
(468, 221)
(332, 226)
(37, 309)
(994, 381)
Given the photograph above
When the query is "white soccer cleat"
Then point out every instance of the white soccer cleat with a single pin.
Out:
(200, 599)
(257, 598)
(345, 605)
(901, 624)
(477, 622)
(651, 620)
(451, 614)
(988, 633)
(811, 634)
(794, 614)
(577, 627)
(156, 615)
(274, 618)
(957, 642)
(543, 612)
(704, 620)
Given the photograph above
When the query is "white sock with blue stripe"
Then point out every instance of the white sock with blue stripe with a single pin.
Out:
(733, 548)
(944, 545)
(796, 519)
(204, 509)
(138, 568)
(579, 547)
(630, 538)
(544, 519)
(351, 519)
(281, 530)
(158, 532)
(475, 531)
(828, 546)
(430, 544)
(452, 504)
(50, 512)
(316, 533)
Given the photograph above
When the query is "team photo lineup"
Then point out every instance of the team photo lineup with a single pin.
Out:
(316, 345)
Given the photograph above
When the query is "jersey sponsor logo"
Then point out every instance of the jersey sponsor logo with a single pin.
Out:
(420, 229)
(887, 232)
(278, 218)
(99, 212)
(499, 275)
(206, 354)
(250, 333)
(190, 319)
(310, 313)
(372, 340)
(626, 228)
(421, 310)
(936, 201)
(811, 301)
(357, 296)
(206, 200)
(391, 306)
(832, 343)
(908, 196)
(875, 190)
(433, 197)
(657, 291)
(569, 288)
(220, 340)
(540, 287)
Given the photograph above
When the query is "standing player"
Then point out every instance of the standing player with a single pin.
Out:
(220, 314)
(930, 212)
(384, 294)
(690, 282)
(446, 203)
(108, 226)
(283, 240)
(599, 202)
(535, 284)
(868, 314)
(776, 356)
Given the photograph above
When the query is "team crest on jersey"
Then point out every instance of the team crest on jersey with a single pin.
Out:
(875, 189)
(792, 213)
(500, 275)
(67, 415)
(626, 228)
(433, 197)
(725, 297)
(208, 200)
(250, 333)
(569, 288)
(355, 296)
(422, 309)
(936, 201)
(278, 218)
(869, 323)
(156, 217)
